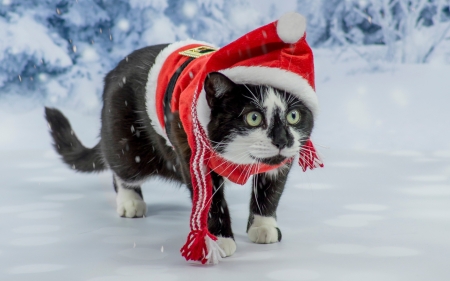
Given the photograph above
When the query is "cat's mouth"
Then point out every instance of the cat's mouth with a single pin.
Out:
(274, 160)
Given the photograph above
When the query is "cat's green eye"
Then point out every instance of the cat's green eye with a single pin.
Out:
(253, 118)
(293, 117)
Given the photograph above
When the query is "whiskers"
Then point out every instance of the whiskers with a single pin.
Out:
(229, 164)
(255, 190)
(257, 102)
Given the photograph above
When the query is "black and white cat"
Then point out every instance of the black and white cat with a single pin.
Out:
(248, 122)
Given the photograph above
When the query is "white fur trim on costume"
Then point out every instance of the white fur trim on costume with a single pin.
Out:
(291, 27)
(277, 78)
(203, 110)
(150, 88)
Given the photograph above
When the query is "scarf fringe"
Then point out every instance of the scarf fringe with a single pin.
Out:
(309, 157)
(202, 246)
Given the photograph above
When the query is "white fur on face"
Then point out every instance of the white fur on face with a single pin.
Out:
(273, 101)
(255, 144)
(295, 148)
(243, 149)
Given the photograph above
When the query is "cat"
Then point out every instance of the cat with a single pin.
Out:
(248, 123)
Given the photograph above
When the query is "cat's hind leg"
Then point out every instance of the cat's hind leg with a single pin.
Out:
(129, 199)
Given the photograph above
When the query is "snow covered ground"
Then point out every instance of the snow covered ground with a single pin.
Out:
(365, 217)
(378, 211)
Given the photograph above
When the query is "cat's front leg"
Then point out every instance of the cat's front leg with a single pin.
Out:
(129, 199)
(219, 221)
(267, 188)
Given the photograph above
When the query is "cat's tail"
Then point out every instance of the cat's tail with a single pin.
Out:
(66, 143)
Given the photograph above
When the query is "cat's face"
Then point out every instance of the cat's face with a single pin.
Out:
(251, 124)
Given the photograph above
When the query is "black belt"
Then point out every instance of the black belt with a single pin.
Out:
(169, 93)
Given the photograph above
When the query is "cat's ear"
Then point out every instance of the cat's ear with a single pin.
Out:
(216, 86)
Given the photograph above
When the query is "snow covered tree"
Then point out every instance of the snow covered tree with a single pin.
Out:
(317, 14)
(61, 49)
(30, 50)
(410, 29)
(216, 21)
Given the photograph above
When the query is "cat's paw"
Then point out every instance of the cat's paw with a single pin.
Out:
(132, 208)
(227, 244)
(130, 203)
(264, 230)
(264, 234)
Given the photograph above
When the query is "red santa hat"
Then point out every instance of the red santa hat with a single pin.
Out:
(276, 55)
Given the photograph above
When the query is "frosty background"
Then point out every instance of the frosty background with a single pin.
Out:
(379, 210)
(381, 64)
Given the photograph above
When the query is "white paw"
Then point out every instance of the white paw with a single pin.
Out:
(132, 208)
(263, 230)
(129, 203)
(265, 234)
(227, 245)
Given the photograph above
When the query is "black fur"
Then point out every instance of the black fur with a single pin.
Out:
(131, 148)
(279, 133)
(69, 147)
(126, 131)
(266, 194)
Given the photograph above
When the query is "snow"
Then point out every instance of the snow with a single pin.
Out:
(363, 225)
(378, 210)
(156, 4)
(23, 36)
(189, 9)
(124, 25)
(392, 107)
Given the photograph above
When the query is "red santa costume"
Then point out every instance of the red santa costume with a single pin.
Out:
(276, 55)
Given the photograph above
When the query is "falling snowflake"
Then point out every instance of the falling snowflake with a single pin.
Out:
(123, 25)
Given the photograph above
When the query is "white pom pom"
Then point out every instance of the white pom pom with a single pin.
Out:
(291, 27)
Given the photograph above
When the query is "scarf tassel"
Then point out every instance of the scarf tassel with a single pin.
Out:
(202, 246)
(309, 157)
